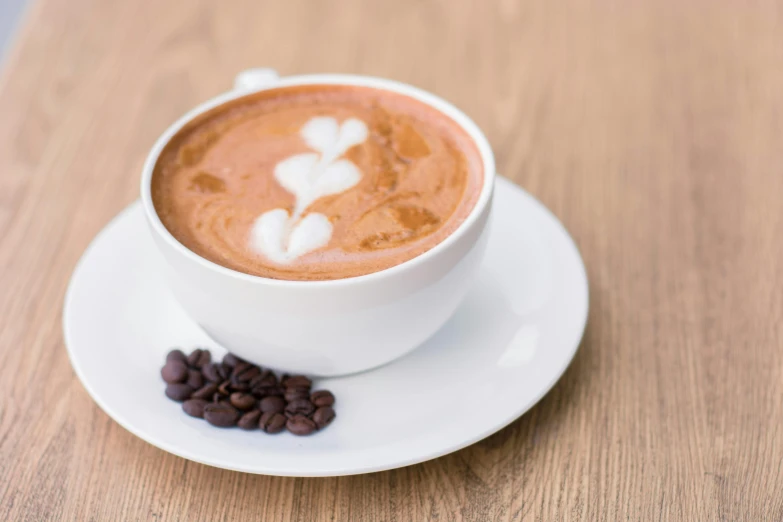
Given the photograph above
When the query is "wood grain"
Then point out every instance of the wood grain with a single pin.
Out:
(651, 128)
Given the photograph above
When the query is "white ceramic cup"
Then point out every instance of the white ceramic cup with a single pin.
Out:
(325, 327)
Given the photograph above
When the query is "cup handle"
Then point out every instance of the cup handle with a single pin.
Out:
(255, 79)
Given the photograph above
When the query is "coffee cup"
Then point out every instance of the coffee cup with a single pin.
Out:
(331, 327)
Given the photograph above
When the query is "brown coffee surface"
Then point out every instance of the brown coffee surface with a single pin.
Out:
(421, 175)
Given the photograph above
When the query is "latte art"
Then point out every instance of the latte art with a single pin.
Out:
(308, 177)
(316, 182)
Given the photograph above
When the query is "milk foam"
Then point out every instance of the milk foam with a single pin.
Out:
(282, 237)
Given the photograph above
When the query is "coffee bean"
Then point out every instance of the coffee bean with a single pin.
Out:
(240, 367)
(238, 385)
(176, 355)
(224, 371)
(249, 421)
(299, 407)
(224, 388)
(174, 371)
(195, 379)
(322, 398)
(195, 357)
(284, 379)
(194, 407)
(206, 358)
(300, 425)
(298, 381)
(272, 422)
(221, 415)
(211, 372)
(231, 360)
(205, 392)
(268, 391)
(292, 394)
(219, 397)
(265, 379)
(242, 401)
(255, 382)
(248, 374)
(178, 392)
(272, 404)
(323, 416)
(199, 358)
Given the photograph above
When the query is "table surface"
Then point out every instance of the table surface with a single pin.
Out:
(652, 129)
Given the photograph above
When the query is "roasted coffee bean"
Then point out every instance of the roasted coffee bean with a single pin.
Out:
(231, 360)
(322, 398)
(292, 394)
(211, 372)
(240, 367)
(299, 407)
(224, 388)
(221, 414)
(242, 401)
(255, 382)
(195, 356)
(300, 425)
(284, 379)
(199, 358)
(272, 422)
(323, 416)
(273, 404)
(178, 392)
(205, 392)
(268, 391)
(206, 358)
(298, 381)
(219, 397)
(174, 371)
(249, 421)
(176, 355)
(194, 407)
(248, 374)
(238, 385)
(265, 379)
(195, 379)
(224, 370)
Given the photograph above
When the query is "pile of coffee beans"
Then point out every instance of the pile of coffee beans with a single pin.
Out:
(234, 392)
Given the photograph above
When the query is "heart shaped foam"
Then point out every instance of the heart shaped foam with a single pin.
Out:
(308, 178)
(332, 141)
(283, 239)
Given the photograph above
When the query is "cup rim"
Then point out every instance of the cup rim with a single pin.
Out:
(463, 120)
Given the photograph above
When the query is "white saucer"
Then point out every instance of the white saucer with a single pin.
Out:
(503, 350)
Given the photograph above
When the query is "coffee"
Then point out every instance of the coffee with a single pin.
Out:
(316, 182)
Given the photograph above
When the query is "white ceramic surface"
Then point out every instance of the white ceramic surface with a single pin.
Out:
(326, 327)
(505, 347)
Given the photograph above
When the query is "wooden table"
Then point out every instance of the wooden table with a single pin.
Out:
(652, 128)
